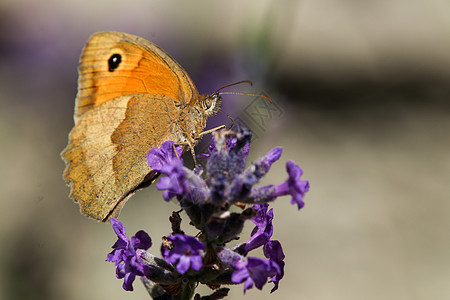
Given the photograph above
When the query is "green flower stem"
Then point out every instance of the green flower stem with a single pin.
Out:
(187, 291)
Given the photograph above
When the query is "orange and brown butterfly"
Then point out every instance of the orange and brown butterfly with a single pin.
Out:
(132, 96)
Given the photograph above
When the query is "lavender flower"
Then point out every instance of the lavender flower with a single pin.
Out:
(124, 254)
(164, 158)
(262, 232)
(207, 200)
(274, 252)
(185, 251)
(292, 186)
(181, 181)
(260, 236)
(255, 272)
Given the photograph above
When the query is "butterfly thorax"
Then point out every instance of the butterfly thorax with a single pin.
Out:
(194, 116)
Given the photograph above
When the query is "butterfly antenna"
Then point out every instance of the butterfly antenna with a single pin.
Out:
(246, 94)
(231, 84)
(238, 93)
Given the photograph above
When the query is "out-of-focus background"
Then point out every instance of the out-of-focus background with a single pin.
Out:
(361, 94)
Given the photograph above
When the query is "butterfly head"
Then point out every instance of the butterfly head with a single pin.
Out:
(211, 104)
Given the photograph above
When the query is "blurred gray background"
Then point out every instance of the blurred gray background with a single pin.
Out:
(363, 92)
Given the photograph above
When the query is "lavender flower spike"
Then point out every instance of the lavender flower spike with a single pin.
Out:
(211, 199)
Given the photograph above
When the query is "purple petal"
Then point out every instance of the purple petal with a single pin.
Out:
(183, 264)
(255, 242)
(171, 187)
(240, 275)
(141, 240)
(173, 258)
(119, 229)
(115, 256)
(259, 270)
(196, 262)
(120, 243)
(274, 252)
(128, 282)
(195, 244)
(158, 158)
(248, 284)
(273, 155)
(120, 271)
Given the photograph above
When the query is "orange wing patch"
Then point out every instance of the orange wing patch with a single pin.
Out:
(142, 70)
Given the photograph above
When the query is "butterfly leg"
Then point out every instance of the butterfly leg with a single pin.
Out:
(191, 145)
(191, 149)
(231, 119)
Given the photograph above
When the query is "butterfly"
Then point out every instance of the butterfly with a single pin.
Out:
(132, 96)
